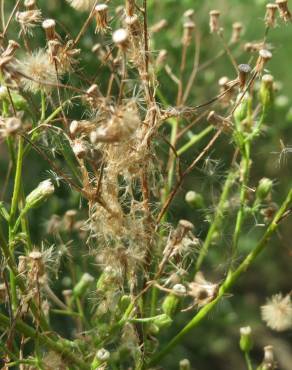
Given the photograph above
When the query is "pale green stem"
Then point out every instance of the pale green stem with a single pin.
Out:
(194, 140)
(55, 344)
(248, 361)
(13, 210)
(228, 283)
(43, 103)
(243, 193)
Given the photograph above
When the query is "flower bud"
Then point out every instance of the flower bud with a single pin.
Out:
(267, 91)
(162, 320)
(170, 304)
(101, 357)
(124, 302)
(153, 329)
(184, 364)
(44, 190)
(245, 339)
(264, 188)
(194, 199)
(241, 111)
(83, 284)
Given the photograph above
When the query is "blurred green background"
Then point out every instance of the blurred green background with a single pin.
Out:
(214, 344)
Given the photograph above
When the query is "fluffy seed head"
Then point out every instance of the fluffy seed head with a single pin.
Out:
(40, 72)
(82, 5)
(30, 4)
(277, 312)
(120, 38)
(28, 19)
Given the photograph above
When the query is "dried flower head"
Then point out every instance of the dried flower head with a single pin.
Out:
(236, 32)
(202, 290)
(79, 148)
(284, 10)
(82, 5)
(101, 17)
(11, 49)
(10, 126)
(270, 16)
(264, 56)
(219, 121)
(269, 362)
(161, 58)
(243, 73)
(277, 312)
(133, 25)
(63, 55)
(28, 20)
(189, 14)
(49, 26)
(36, 266)
(214, 21)
(189, 27)
(160, 25)
(39, 71)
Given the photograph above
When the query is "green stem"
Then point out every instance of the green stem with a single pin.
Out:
(243, 192)
(248, 361)
(13, 210)
(17, 181)
(229, 282)
(55, 344)
(195, 139)
(215, 225)
(43, 103)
